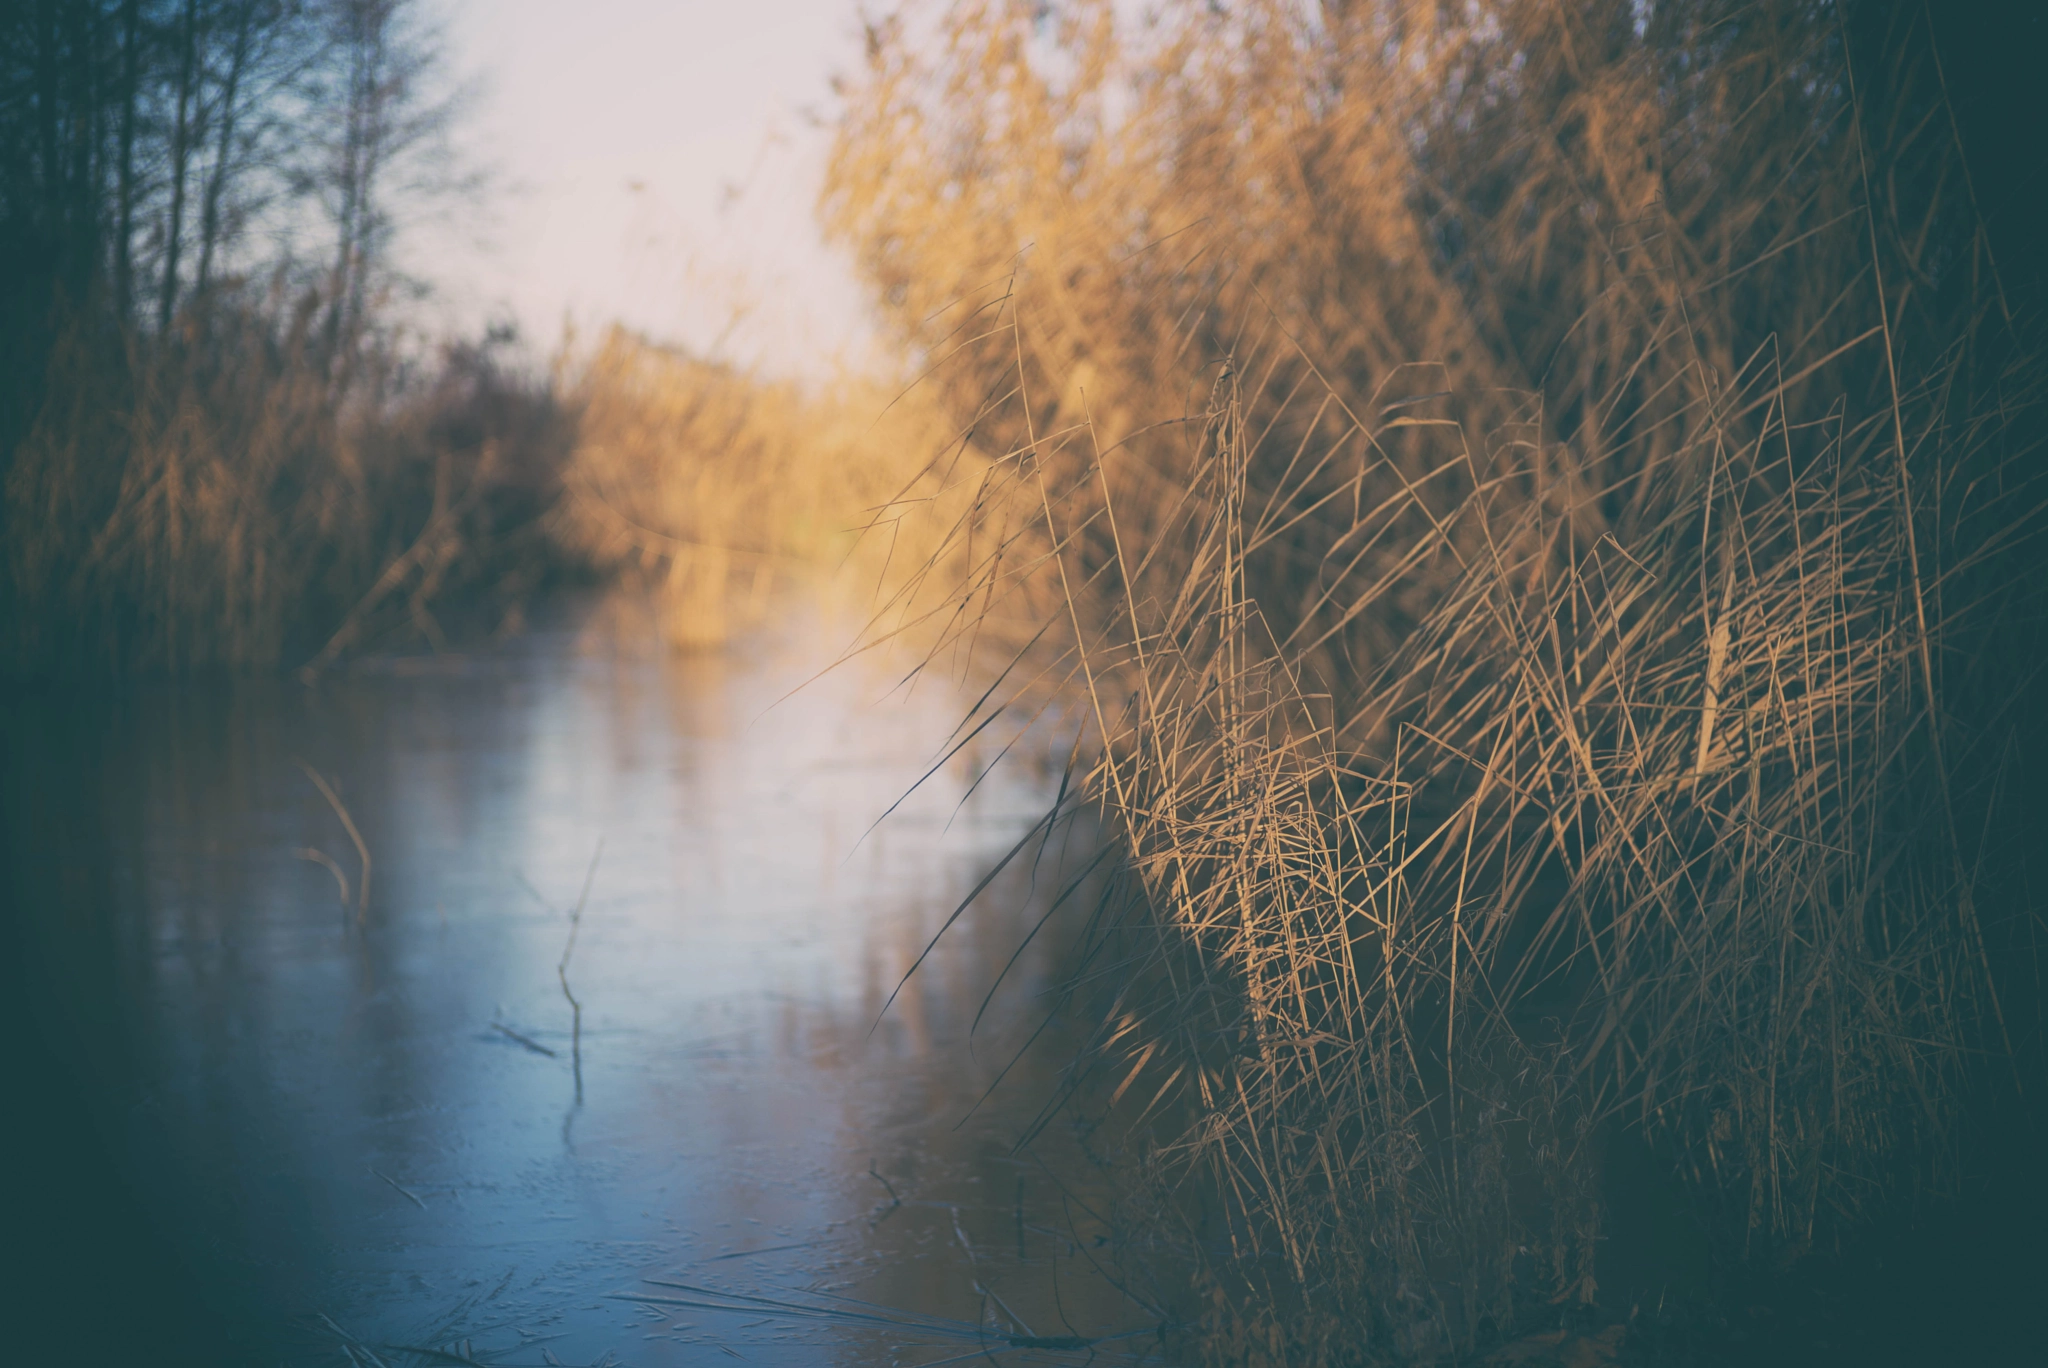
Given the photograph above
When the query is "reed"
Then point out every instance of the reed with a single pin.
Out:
(716, 488)
(1576, 739)
(215, 500)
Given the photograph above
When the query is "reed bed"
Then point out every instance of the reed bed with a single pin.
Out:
(220, 500)
(715, 487)
(1581, 738)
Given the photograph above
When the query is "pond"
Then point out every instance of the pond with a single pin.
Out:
(309, 1128)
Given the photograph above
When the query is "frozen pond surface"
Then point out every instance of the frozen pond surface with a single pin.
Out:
(356, 1137)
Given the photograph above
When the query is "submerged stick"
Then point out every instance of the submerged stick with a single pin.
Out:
(895, 1201)
(530, 1044)
(352, 1346)
(404, 1192)
(315, 855)
(349, 823)
(441, 530)
(562, 970)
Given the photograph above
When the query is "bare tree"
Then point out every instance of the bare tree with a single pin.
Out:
(129, 92)
(183, 134)
(387, 97)
(242, 17)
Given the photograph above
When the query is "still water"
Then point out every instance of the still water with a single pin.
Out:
(347, 1132)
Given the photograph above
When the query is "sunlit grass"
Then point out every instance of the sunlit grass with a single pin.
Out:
(717, 488)
(1521, 513)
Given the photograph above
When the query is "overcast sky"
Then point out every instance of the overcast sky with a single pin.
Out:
(659, 159)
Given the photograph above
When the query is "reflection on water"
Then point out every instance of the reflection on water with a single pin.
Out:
(377, 1133)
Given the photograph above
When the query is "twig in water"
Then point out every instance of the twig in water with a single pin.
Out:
(407, 1193)
(962, 1234)
(562, 971)
(352, 1346)
(444, 1355)
(854, 1311)
(750, 1253)
(894, 1200)
(533, 1045)
(348, 822)
(321, 857)
(1020, 1322)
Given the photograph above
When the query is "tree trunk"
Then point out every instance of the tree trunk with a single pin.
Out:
(124, 229)
(223, 153)
(82, 178)
(363, 146)
(47, 99)
(181, 154)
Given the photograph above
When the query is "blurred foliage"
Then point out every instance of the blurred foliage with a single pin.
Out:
(219, 445)
(713, 486)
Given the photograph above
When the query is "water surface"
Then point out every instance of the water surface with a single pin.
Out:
(317, 1134)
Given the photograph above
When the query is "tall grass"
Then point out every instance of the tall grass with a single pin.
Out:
(716, 487)
(1535, 499)
(235, 498)
(213, 500)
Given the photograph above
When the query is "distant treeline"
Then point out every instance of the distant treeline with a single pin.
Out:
(217, 447)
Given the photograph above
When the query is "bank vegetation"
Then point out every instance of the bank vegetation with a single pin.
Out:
(1541, 503)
